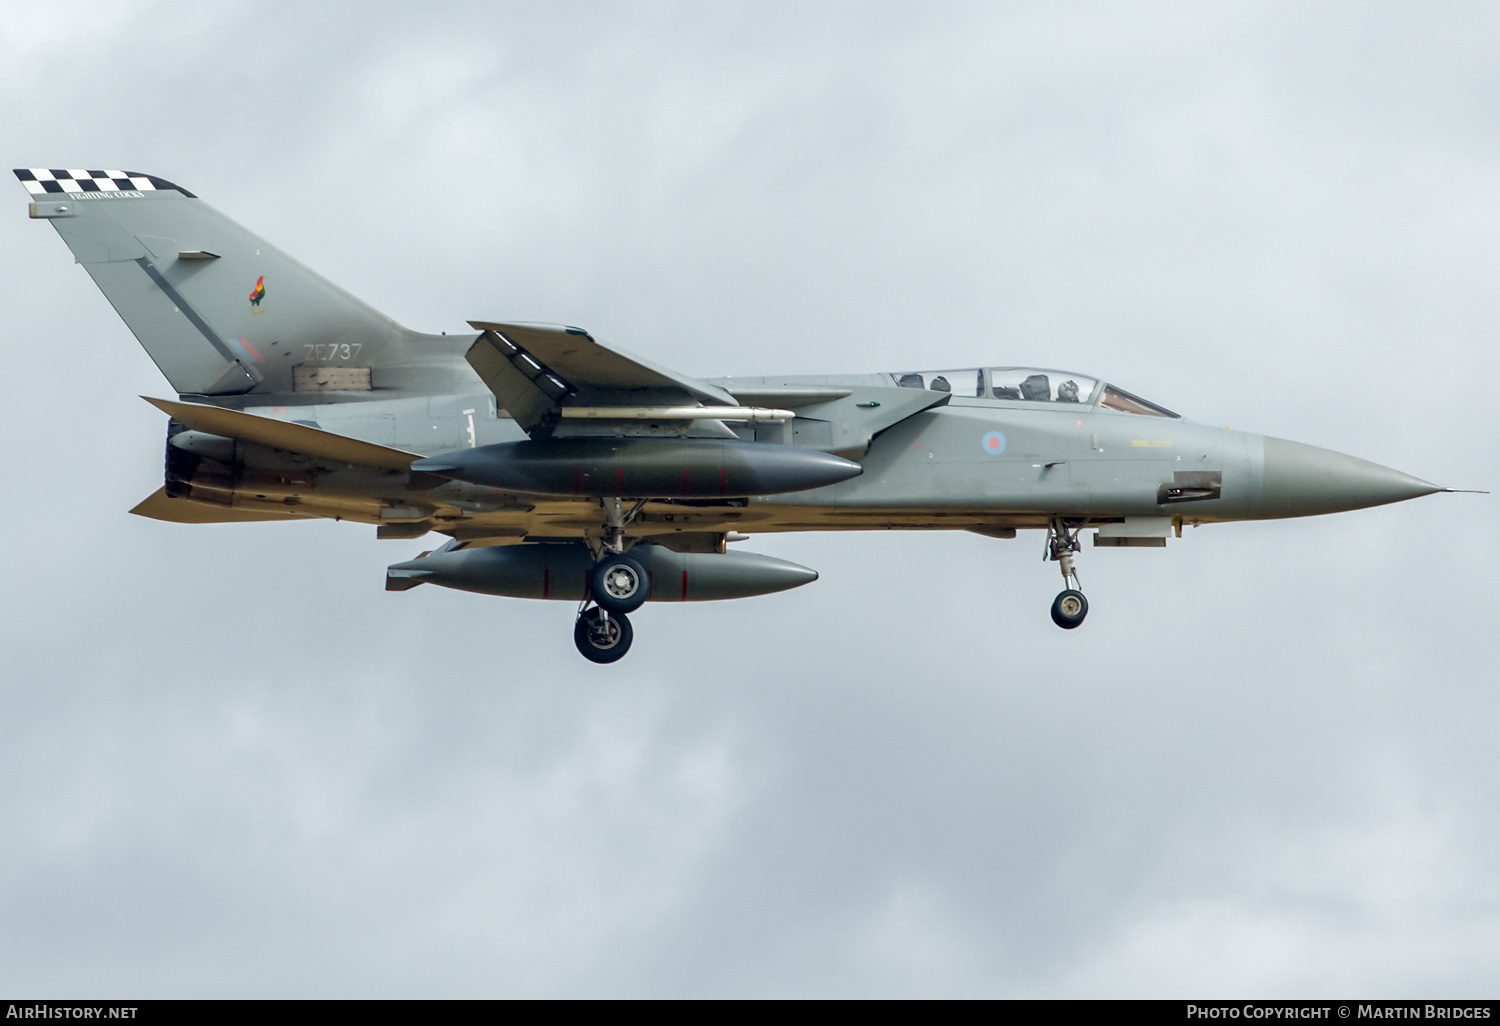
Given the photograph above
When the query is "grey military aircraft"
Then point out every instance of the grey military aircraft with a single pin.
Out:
(563, 468)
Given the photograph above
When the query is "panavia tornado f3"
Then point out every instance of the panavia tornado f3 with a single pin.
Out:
(562, 468)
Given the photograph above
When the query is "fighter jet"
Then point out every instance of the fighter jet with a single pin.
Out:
(559, 467)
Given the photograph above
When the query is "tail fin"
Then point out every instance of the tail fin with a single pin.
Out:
(221, 311)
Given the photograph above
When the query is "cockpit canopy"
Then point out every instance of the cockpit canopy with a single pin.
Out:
(1031, 385)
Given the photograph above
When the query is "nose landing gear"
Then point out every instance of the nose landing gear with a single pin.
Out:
(1070, 607)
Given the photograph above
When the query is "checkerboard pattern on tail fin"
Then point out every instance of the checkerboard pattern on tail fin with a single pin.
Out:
(41, 180)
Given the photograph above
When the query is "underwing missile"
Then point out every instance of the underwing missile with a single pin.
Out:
(688, 468)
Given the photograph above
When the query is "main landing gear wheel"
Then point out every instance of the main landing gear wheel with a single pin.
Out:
(602, 637)
(619, 584)
(1069, 609)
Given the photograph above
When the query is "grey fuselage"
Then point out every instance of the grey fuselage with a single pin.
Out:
(940, 468)
(234, 323)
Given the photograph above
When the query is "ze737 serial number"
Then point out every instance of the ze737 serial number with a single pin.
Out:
(334, 351)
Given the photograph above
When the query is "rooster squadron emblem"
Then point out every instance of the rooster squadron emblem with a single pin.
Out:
(257, 294)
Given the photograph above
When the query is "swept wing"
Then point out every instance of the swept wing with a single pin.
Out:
(536, 369)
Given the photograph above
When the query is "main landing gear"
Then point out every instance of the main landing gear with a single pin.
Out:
(618, 585)
(602, 637)
(1070, 607)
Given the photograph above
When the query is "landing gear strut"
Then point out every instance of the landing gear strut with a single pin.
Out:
(618, 584)
(1070, 607)
(615, 519)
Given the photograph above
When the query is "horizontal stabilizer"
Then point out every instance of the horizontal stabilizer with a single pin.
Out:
(159, 506)
(279, 434)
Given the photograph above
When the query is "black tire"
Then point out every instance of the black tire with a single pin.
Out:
(620, 584)
(600, 640)
(1069, 609)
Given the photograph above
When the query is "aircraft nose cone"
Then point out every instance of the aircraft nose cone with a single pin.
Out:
(1303, 480)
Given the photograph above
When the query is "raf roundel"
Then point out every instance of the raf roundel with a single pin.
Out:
(993, 443)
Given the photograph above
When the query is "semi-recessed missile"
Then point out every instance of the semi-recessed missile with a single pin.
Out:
(689, 468)
(561, 571)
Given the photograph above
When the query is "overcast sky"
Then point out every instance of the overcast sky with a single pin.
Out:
(232, 765)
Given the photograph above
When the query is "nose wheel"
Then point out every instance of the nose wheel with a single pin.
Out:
(1070, 607)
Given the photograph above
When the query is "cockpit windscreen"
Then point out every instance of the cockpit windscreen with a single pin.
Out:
(1032, 384)
(959, 382)
(1121, 400)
